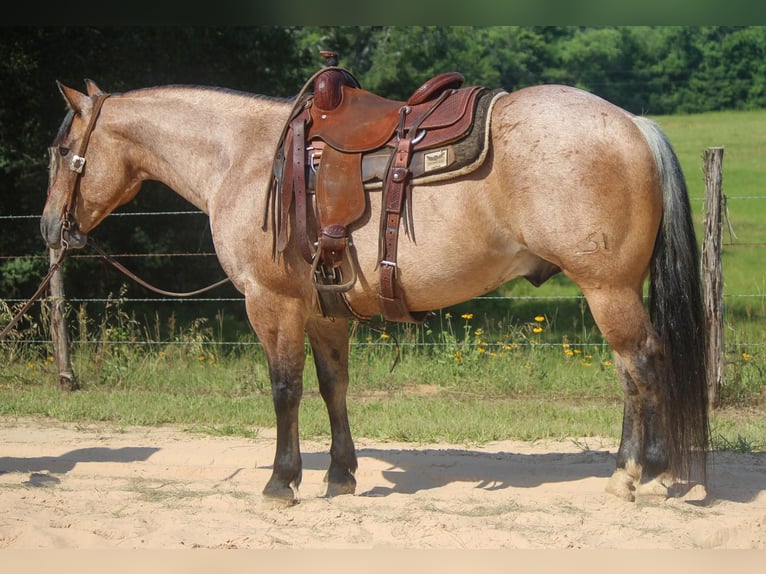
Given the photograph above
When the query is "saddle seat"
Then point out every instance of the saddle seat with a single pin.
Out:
(363, 121)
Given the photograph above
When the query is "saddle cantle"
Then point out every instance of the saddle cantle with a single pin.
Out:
(341, 142)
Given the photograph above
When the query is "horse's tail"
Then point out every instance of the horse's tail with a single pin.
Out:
(677, 312)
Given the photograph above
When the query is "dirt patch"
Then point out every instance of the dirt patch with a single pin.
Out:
(95, 486)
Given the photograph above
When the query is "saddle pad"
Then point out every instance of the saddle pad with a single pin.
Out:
(443, 161)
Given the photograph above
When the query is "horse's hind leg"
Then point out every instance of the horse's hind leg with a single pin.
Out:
(642, 459)
(329, 343)
(643, 453)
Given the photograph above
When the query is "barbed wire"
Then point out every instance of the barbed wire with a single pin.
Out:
(199, 212)
(354, 343)
(360, 343)
(242, 299)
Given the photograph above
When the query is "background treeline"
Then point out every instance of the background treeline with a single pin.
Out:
(648, 70)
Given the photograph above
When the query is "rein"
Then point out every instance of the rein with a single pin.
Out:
(46, 280)
(109, 259)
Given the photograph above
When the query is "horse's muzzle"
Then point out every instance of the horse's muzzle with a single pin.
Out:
(54, 234)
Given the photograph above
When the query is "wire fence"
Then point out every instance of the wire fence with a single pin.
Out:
(730, 241)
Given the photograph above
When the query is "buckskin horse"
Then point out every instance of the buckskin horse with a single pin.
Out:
(568, 183)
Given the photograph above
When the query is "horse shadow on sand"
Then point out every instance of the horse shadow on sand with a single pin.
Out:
(42, 470)
(734, 477)
(413, 470)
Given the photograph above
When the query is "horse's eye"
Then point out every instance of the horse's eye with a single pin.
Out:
(63, 150)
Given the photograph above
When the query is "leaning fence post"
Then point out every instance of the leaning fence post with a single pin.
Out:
(712, 271)
(59, 332)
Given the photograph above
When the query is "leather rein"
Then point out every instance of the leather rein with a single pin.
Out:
(76, 165)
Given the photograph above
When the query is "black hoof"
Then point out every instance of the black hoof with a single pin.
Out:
(279, 494)
(338, 483)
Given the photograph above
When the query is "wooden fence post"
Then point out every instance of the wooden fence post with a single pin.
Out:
(59, 331)
(712, 271)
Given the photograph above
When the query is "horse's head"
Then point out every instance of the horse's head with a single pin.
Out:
(88, 178)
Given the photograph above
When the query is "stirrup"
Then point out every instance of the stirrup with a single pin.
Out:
(334, 287)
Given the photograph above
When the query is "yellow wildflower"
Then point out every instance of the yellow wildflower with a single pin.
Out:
(467, 316)
(537, 330)
(539, 318)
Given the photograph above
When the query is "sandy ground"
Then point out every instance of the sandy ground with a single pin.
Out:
(99, 487)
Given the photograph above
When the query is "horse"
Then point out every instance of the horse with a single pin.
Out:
(571, 183)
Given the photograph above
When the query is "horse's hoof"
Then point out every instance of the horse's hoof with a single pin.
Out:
(336, 489)
(622, 485)
(279, 495)
(695, 493)
(656, 487)
(336, 486)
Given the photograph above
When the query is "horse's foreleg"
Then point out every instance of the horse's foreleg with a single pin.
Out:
(329, 343)
(281, 332)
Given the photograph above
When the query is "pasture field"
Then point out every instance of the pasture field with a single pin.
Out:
(490, 369)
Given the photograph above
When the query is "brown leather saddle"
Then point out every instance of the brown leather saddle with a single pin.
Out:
(341, 141)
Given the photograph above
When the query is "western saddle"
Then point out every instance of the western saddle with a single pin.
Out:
(341, 141)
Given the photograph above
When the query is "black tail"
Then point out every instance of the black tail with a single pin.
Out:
(677, 312)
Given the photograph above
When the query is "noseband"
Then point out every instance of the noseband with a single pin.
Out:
(77, 163)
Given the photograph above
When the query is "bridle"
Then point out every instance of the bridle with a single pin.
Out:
(76, 165)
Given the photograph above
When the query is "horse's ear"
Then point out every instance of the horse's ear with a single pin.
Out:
(77, 101)
(93, 89)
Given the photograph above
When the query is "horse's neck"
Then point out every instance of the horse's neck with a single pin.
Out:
(194, 139)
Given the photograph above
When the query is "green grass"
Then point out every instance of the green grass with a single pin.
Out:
(528, 393)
